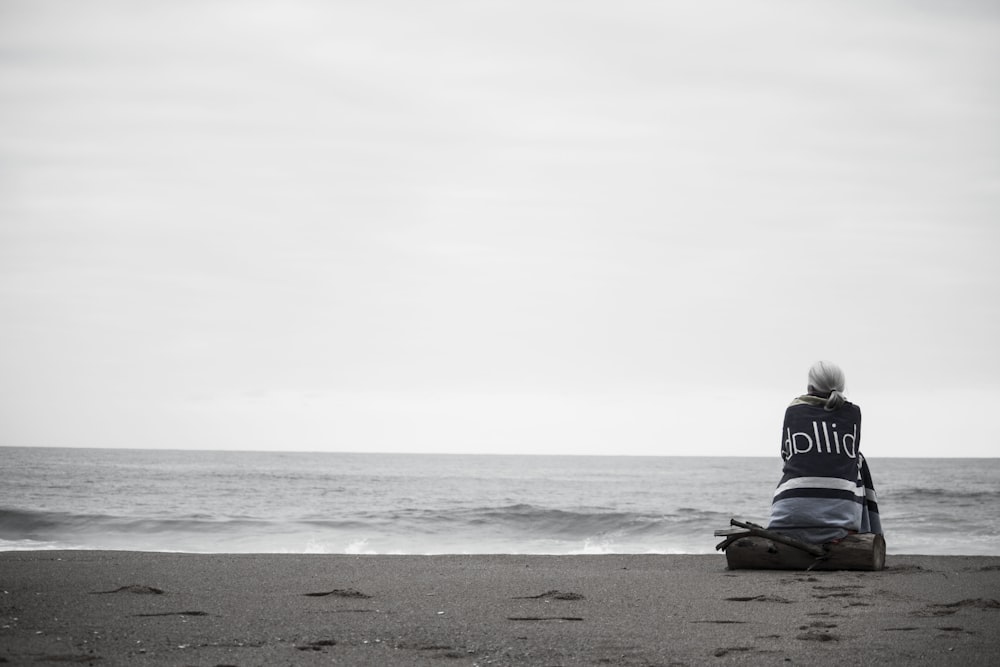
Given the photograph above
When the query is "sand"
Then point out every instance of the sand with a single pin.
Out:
(128, 608)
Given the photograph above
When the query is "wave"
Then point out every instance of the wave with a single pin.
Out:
(537, 521)
(31, 524)
(508, 528)
(916, 493)
(509, 524)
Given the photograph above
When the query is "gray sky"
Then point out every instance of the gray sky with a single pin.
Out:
(552, 227)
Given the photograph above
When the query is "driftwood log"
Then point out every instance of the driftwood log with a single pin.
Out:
(752, 547)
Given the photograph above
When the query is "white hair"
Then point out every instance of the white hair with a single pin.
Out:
(825, 377)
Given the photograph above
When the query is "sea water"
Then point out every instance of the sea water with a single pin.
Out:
(281, 502)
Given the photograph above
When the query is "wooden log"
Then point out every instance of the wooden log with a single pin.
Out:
(855, 552)
(759, 531)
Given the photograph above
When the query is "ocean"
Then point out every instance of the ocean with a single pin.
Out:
(285, 502)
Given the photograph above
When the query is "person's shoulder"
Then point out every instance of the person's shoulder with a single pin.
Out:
(799, 410)
(850, 408)
(807, 400)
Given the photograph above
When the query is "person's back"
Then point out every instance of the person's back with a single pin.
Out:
(825, 492)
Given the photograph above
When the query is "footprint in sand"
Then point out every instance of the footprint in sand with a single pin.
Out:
(973, 603)
(340, 593)
(317, 645)
(845, 591)
(65, 657)
(721, 622)
(551, 595)
(132, 588)
(949, 608)
(446, 651)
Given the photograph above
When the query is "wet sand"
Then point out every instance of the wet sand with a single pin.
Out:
(128, 608)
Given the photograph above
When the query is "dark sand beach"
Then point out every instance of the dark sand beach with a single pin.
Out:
(128, 608)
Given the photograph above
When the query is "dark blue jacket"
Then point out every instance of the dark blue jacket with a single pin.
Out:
(825, 491)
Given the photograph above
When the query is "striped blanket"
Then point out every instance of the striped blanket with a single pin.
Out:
(826, 490)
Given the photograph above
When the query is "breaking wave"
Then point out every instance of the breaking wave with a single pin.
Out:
(517, 528)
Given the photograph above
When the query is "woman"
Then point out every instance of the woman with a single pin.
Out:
(826, 491)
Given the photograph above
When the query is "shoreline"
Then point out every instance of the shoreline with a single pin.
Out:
(156, 608)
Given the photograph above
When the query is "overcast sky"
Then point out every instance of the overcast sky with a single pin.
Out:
(497, 227)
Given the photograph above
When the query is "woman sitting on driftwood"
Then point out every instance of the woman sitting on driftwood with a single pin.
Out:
(826, 491)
